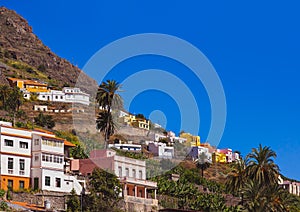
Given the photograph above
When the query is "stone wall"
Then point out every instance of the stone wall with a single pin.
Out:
(57, 200)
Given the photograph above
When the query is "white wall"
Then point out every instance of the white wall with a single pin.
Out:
(131, 164)
(16, 166)
(16, 148)
(67, 183)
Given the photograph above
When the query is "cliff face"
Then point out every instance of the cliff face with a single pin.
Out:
(27, 57)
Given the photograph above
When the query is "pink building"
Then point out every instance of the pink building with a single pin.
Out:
(137, 190)
(228, 153)
(291, 187)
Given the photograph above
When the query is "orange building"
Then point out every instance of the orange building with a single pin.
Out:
(29, 85)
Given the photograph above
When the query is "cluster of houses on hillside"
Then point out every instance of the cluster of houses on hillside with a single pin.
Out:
(37, 159)
(162, 146)
(45, 93)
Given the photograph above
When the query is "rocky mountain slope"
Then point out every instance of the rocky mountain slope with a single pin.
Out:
(25, 56)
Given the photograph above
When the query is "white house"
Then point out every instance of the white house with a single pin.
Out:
(43, 108)
(161, 149)
(127, 147)
(196, 151)
(67, 95)
(235, 156)
(15, 157)
(171, 136)
(47, 171)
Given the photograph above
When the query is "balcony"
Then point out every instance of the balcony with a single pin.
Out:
(136, 181)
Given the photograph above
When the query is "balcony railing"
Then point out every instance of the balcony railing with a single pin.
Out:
(138, 181)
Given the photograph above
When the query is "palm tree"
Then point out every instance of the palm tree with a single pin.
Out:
(105, 124)
(254, 195)
(260, 197)
(108, 99)
(237, 178)
(107, 96)
(202, 163)
(261, 166)
(4, 94)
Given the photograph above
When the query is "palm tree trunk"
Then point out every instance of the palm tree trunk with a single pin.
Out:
(107, 128)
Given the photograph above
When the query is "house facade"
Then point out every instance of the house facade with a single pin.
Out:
(170, 137)
(136, 189)
(219, 157)
(162, 150)
(15, 156)
(132, 120)
(47, 171)
(193, 139)
(228, 154)
(127, 147)
(66, 95)
(28, 85)
(291, 187)
(34, 159)
(196, 151)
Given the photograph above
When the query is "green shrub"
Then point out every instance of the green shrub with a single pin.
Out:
(3, 206)
(2, 193)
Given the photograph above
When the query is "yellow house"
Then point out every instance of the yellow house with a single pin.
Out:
(29, 85)
(194, 140)
(219, 157)
(137, 122)
(143, 124)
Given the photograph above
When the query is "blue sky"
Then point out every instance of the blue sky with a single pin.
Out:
(253, 45)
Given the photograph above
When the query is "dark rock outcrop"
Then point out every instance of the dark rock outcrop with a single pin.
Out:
(19, 43)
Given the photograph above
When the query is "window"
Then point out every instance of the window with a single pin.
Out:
(61, 97)
(120, 171)
(57, 182)
(10, 164)
(133, 173)
(36, 142)
(56, 97)
(47, 181)
(36, 157)
(10, 184)
(21, 184)
(22, 164)
(140, 174)
(127, 172)
(23, 145)
(8, 142)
